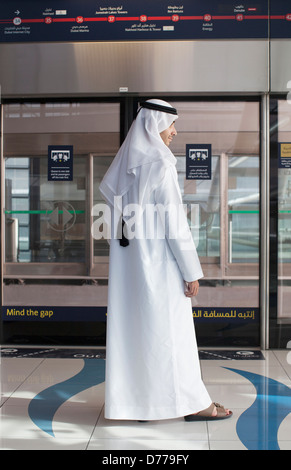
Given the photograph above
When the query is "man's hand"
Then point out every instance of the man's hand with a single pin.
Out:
(191, 288)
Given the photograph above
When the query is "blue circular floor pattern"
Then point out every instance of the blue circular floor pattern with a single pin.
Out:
(257, 427)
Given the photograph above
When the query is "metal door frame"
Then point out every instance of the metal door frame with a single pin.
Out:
(265, 222)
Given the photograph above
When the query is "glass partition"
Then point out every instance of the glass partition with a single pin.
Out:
(284, 211)
(280, 223)
(45, 222)
(50, 254)
(48, 218)
(226, 222)
(243, 210)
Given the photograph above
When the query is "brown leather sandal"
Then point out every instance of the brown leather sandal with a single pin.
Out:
(206, 415)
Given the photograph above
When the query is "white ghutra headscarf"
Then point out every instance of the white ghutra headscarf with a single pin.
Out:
(143, 154)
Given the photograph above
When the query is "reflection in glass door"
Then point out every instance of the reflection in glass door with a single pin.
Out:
(47, 223)
(227, 224)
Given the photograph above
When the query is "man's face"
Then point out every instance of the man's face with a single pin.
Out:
(168, 134)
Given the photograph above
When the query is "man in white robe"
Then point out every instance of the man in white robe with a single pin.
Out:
(152, 363)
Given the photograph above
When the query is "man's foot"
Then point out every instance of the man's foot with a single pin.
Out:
(213, 413)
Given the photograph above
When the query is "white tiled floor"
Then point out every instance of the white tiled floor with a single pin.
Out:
(79, 423)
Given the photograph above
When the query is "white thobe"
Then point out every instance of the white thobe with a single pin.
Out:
(152, 363)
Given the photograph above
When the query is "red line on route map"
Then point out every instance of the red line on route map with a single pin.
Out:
(32, 21)
(157, 18)
(256, 17)
(133, 18)
(64, 20)
(191, 17)
(149, 18)
(96, 19)
(223, 17)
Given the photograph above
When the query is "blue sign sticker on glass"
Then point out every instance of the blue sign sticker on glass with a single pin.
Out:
(60, 163)
(198, 161)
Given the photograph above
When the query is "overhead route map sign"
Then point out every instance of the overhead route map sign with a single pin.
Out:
(105, 20)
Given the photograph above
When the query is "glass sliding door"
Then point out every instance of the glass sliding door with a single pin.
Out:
(47, 220)
(50, 262)
(280, 278)
(50, 255)
(226, 220)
